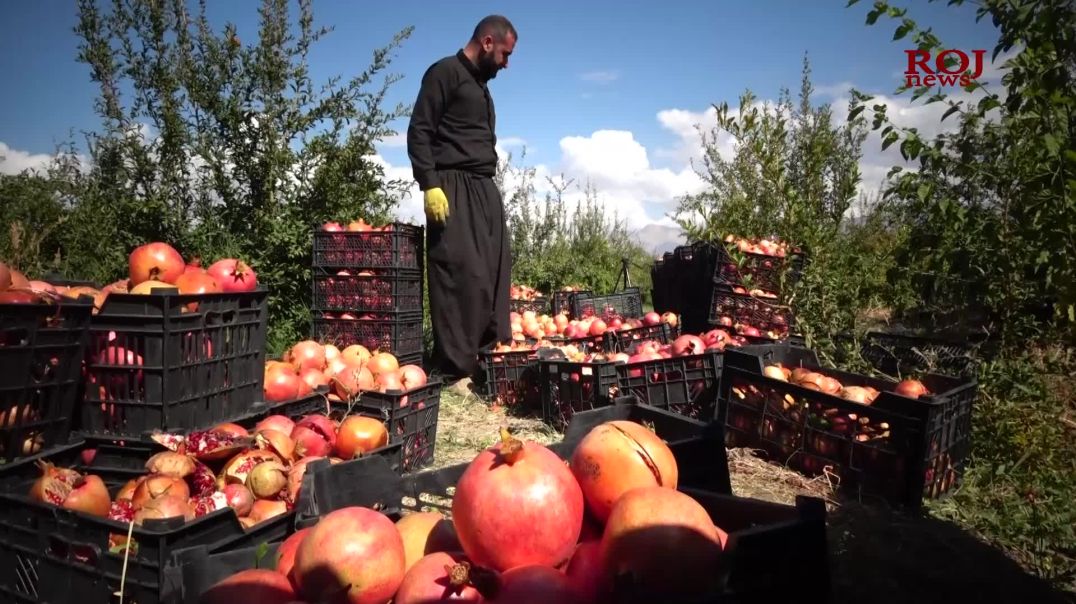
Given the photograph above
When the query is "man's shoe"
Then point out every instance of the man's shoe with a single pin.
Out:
(462, 387)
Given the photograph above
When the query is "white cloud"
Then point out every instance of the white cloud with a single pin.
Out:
(14, 161)
(600, 76)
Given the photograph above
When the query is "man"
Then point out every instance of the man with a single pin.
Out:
(451, 142)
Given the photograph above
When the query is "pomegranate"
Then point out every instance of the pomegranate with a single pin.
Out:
(5, 277)
(306, 354)
(285, 554)
(233, 275)
(176, 464)
(156, 486)
(517, 504)
(264, 509)
(166, 506)
(232, 429)
(661, 543)
(196, 282)
(90, 495)
(238, 468)
(314, 378)
(350, 380)
(617, 456)
(210, 445)
(359, 435)
(585, 572)
(281, 384)
(202, 481)
(322, 425)
(354, 555)
(239, 498)
(425, 533)
(412, 376)
(250, 585)
(207, 504)
(156, 261)
(276, 441)
(309, 443)
(688, 344)
(298, 470)
(438, 577)
(267, 479)
(911, 388)
(126, 492)
(534, 584)
(281, 423)
(382, 362)
(54, 484)
(355, 354)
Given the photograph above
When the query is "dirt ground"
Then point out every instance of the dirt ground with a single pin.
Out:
(877, 554)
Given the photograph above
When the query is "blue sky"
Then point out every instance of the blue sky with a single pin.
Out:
(580, 67)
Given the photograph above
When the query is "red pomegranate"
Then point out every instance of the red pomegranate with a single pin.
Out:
(534, 584)
(353, 555)
(438, 577)
(517, 504)
(661, 543)
(617, 456)
(285, 554)
(585, 572)
(251, 585)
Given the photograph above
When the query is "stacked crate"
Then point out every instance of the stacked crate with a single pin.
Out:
(752, 281)
(367, 289)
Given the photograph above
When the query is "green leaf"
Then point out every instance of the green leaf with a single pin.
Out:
(1052, 146)
(903, 30)
(850, 3)
(889, 140)
(923, 192)
(950, 111)
(854, 113)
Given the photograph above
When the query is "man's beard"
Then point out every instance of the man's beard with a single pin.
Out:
(487, 66)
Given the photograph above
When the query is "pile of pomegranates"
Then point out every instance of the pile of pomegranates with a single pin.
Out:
(524, 526)
(309, 365)
(256, 472)
(817, 380)
(524, 292)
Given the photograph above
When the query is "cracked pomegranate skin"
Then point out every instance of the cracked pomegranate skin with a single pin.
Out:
(516, 513)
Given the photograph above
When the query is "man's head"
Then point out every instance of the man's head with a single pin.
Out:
(493, 40)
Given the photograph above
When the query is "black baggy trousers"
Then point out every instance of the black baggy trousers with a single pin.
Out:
(469, 269)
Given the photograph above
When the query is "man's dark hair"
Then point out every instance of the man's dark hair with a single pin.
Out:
(494, 25)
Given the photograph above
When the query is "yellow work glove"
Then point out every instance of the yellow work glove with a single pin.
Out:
(436, 205)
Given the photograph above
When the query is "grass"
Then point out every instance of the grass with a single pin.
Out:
(877, 554)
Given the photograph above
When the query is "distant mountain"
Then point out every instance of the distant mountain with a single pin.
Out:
(658, 239)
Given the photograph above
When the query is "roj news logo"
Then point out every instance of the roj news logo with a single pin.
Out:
(947, 68)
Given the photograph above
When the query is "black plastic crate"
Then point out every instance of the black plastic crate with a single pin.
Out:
(538, 306)
(52, 555)
(623, 339)
(899, 354)
(688, 385)
(370, 290)
(751, 271)
(626, 304)
(562, 301)
(400, 246)
(897, 449)
(510, 379)
(154, 364)
(732, 310)
(396, 333)
(776, 552)
(41, 350)
(411, 417)
(568, 387)
(692, 281)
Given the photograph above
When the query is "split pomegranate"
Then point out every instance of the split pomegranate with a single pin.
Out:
(425, 533)
(238, 468)
(167, 506)
(661, 543)
(359, 435)
(309, 443)
(438, 577)
(54, 483)
(156, 486)
(90, 495)
(233, 275)
(688, 344)
(276, 441)
(155, 261)
(267, 479)
(516, 504)
(251, 585)
(617, 456)
(202, 481)
(171, 463)
(353, 555)
(321, 425)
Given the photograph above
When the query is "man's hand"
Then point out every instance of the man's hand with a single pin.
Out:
(436, 205)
